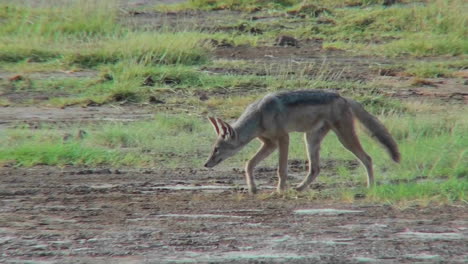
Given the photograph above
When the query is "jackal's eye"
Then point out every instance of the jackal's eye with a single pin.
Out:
(216, 150)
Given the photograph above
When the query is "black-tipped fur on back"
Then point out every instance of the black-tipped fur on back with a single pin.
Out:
(306, 97)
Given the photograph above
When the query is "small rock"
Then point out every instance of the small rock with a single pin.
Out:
(81, 134)
(203, 96)
(66, 137)
(103, 171)
(154, 100)
(89, 102)
(389, 2)
(287, 41)
(149, 81)
(107, 77)
(84, 172)
(171, 80)
(359, 196)
(255, 31)
(219, 44)
(135, 13)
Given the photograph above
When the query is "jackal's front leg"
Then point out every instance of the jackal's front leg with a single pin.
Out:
(265, 150)
(283, 143)
(313, 140)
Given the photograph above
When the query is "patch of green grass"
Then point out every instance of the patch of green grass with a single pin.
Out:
(391, 31)
(428, 70)
(437, 17)
(84, 101)
(62, 84)
(11, 52)
(420, 29)
(41, 33)
(343, 45)
(4, 102)
(27, 67)
(423, 45)
(60, 154)
(119, 144)
(155, 48)
(144, 79)
(62, 91)
(435, 69)
(168, 139)
(82, 18)
(87, 33)
(430, 147)
(242, 5)
(421, 193)
(381, 105)
(445, 191)
(411, 44)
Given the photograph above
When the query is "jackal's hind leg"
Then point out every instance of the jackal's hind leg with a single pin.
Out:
(347, 136)
(283, 143)
(265, 150)
(313, 140)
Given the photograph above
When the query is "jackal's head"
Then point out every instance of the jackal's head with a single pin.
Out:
(226, 145)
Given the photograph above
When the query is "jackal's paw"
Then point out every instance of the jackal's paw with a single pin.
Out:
(281, 190)
(300, 187)
(252, 190)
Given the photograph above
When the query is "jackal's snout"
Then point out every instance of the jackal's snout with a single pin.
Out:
(211, 162)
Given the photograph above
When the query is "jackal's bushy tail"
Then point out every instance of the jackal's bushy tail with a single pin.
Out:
(376, 129)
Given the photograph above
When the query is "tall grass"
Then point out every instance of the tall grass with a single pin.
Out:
(155, 48)
(81, 18)
(87, 33)
(428, 69)
(423, 45)
(417, 28)
(434, 28)
(438, 17)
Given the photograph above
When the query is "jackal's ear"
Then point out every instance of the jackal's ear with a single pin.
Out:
(226, 130)
(215, 124)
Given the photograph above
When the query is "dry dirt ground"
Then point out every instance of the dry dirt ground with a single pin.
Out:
(73, 215)
(108, 215)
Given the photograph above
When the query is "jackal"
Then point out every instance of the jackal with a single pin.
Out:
(314, 112)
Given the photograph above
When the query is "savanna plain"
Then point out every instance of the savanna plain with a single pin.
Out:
(104, 131)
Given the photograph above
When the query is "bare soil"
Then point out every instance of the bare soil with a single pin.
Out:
(105, 215)
(34, 116)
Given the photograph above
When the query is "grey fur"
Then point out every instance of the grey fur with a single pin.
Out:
(314, 112)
